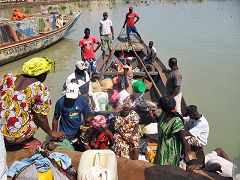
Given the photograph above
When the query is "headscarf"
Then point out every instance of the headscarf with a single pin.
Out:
(168, 103)
(99, 121)
(37, 66)
(127, 103)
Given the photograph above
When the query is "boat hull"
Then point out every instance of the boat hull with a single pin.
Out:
(29, 46)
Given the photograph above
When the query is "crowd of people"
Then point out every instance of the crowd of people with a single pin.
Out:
(25, 104)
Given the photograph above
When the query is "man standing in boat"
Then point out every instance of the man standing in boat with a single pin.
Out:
(173, 84)
(130, 21)
(106, 33)
(87, 50)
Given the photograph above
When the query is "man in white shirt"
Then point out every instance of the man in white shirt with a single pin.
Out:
(151, 53)
(196, 127)
(106, 33)
(81, 76)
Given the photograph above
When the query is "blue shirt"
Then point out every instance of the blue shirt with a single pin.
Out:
(72, 113)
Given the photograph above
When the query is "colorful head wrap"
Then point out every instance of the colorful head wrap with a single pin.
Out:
(99, 121)
(37, 66)
(139, 86)
(127, 103)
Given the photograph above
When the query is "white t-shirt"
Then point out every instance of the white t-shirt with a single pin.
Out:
(106, 26)
(199, 129)
(226, 166)
(81, 82)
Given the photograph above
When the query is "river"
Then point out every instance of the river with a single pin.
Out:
(203, 35)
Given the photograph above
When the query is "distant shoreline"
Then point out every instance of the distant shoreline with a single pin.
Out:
(29, 4)
(62, 6)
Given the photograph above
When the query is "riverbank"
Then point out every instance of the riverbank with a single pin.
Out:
(63, 7)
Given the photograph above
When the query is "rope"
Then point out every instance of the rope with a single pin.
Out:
(145, 69)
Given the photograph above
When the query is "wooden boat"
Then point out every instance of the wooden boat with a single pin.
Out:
(14, 50)
(151, 73)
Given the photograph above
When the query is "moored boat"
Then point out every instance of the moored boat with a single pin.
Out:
(22, 38)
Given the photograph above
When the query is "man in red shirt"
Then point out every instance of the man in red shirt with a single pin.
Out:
(130, 21)
(87, 50)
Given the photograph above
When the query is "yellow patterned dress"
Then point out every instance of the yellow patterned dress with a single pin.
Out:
(16, 108)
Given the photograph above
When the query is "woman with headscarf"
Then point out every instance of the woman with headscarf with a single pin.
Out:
(25, 103)
(171, 139)
(98, 136)
(127, 135)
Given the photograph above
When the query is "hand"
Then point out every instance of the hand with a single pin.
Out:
(93, 105)
(112, 37)
(192, 168)
(55, 135)
(124, 26)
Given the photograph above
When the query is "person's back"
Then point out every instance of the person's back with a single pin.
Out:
(17, 102)
(25, 103)
(174, 80)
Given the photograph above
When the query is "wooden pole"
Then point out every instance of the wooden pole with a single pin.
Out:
(145, 69)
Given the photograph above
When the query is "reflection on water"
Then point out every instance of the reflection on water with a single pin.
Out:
(203, 35)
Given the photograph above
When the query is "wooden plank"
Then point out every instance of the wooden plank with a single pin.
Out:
(134, 74)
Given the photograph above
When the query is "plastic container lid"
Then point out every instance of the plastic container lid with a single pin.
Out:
(139, 86)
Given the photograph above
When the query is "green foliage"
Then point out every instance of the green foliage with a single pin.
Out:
(50, 8)
(63, 7)
(27, 10)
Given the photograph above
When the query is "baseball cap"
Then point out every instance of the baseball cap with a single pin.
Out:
(80, 65)
(131, 7)
(139, 86)
(72, 90)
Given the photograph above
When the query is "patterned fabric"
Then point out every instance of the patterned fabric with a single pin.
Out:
(91, 64)
(169, 147)
(126, 125)
(99, 121)
(127, 103)
(16, 108)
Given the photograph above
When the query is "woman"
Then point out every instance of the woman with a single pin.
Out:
(25, 103)
(98, 136)
(170, 134)
(127, 133)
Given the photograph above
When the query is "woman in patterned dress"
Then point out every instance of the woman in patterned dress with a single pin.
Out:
(171, 139)
(25, 103)
(127, 133)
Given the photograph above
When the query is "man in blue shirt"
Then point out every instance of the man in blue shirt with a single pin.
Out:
(72, 110)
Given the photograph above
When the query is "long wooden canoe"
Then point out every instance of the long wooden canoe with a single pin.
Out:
(17, 49)
(138, 50)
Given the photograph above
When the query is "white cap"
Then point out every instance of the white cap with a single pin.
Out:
(72, 90)
(129, 58)
(80, 65)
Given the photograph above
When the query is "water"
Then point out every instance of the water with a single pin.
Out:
(205, 38)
